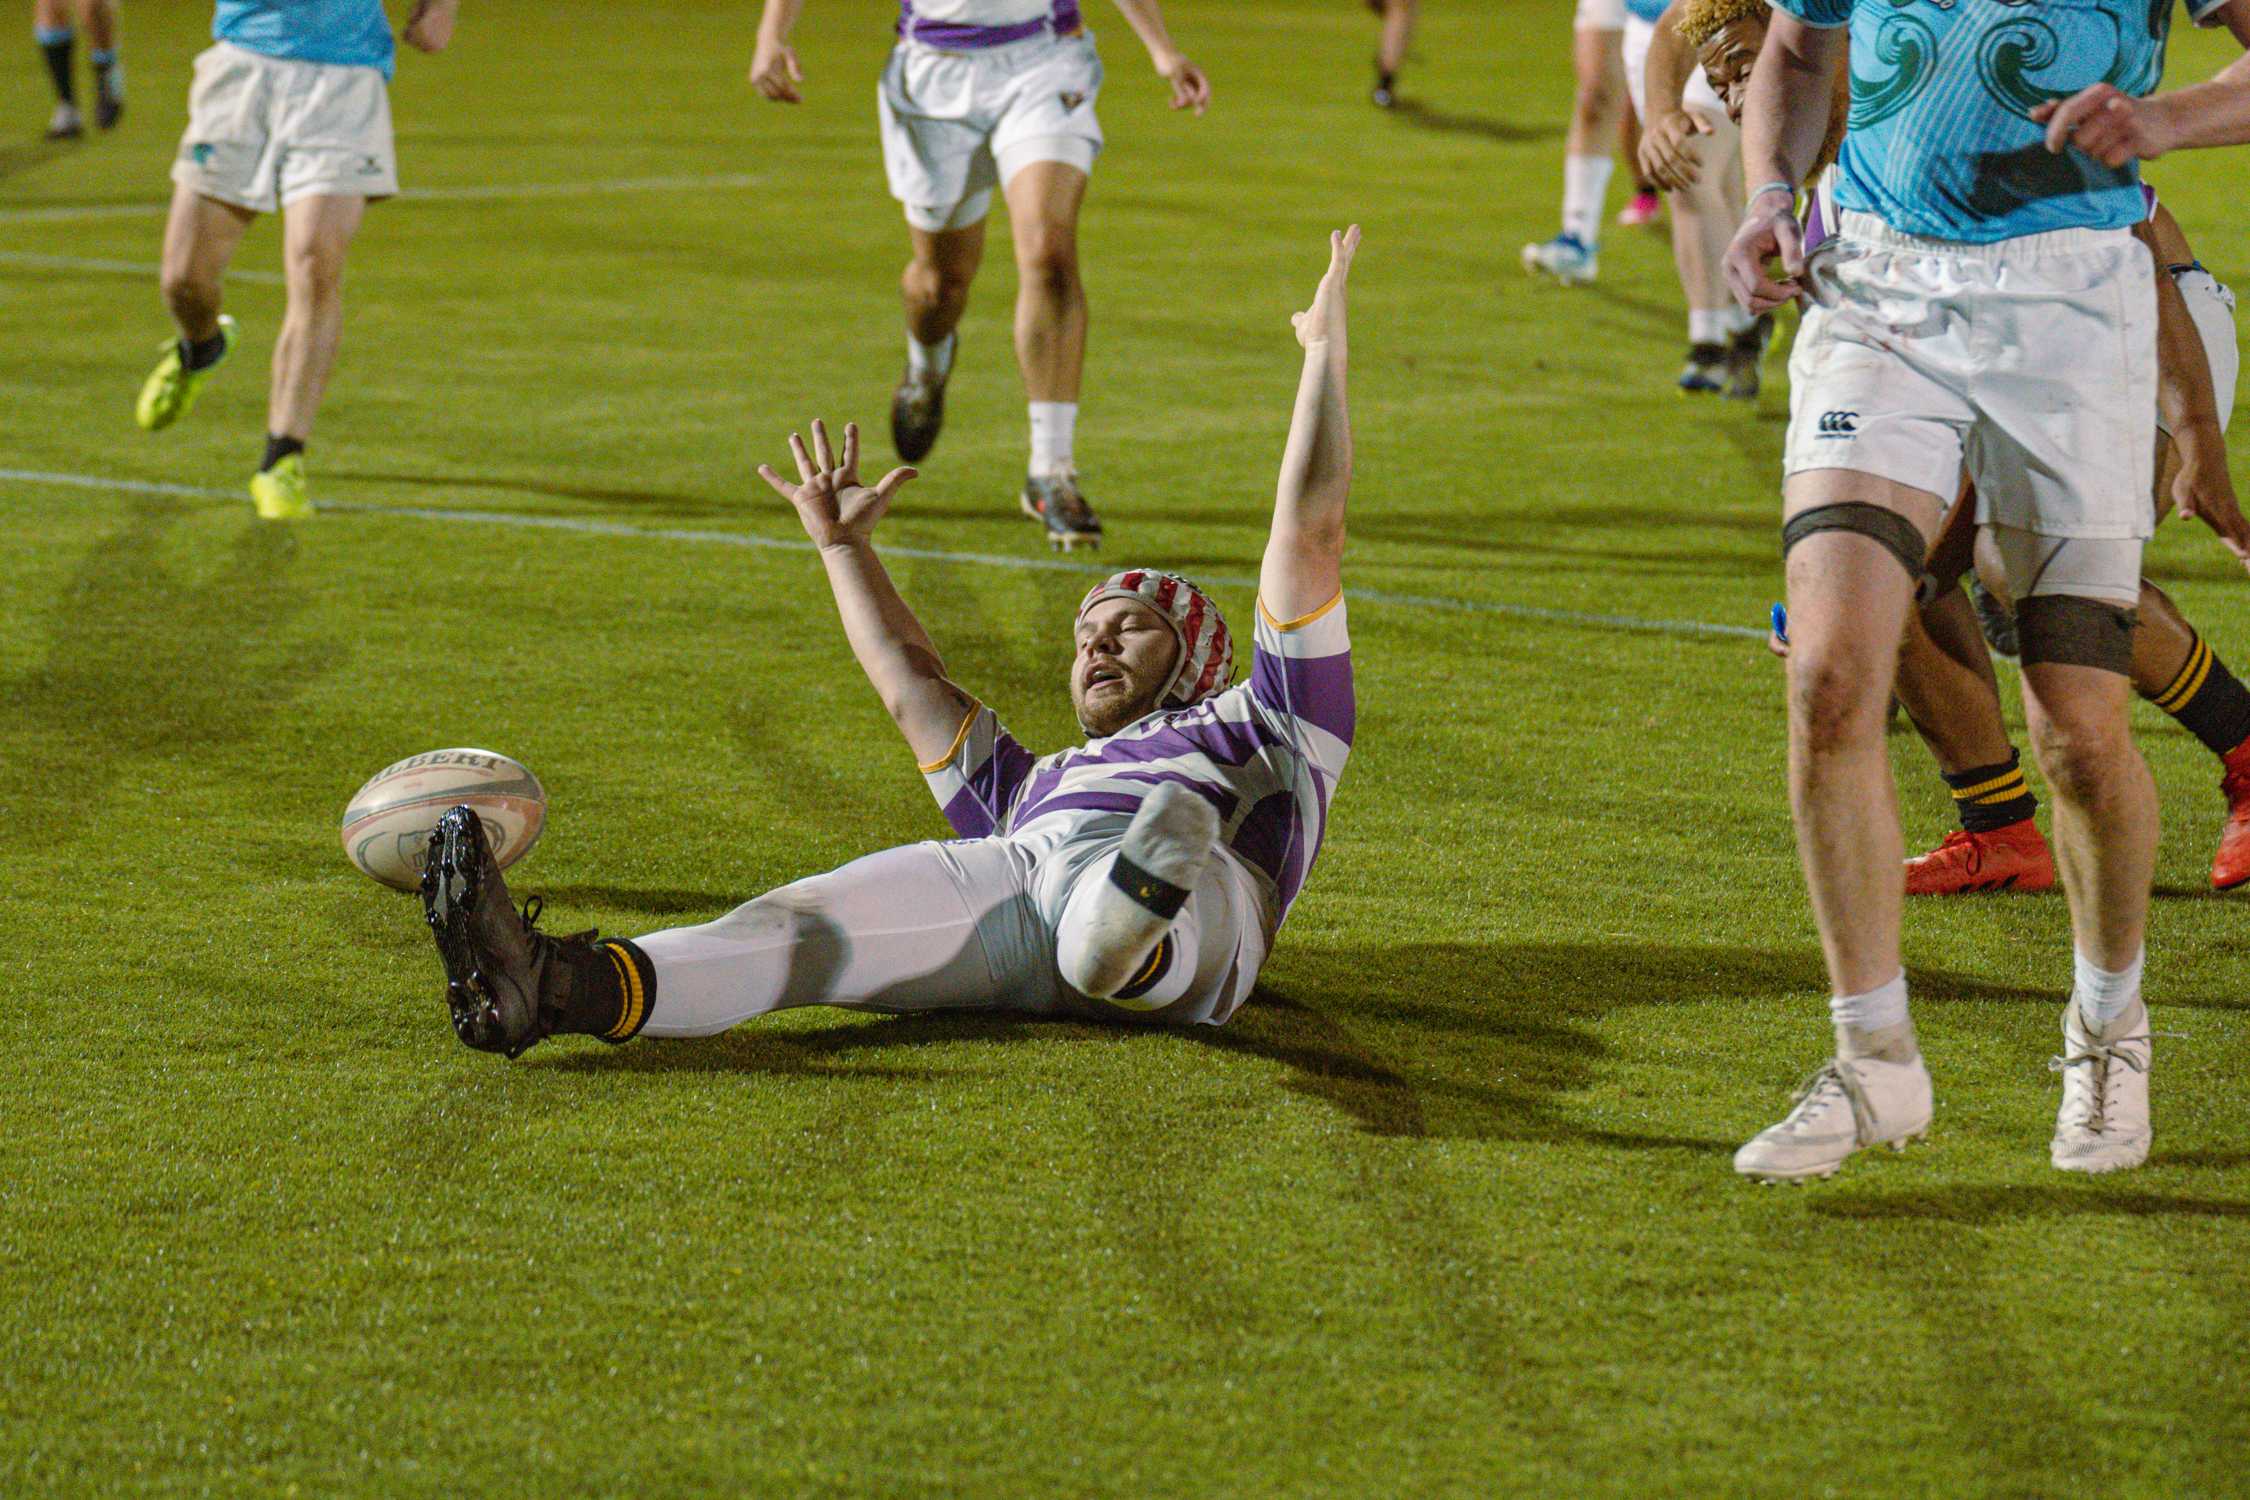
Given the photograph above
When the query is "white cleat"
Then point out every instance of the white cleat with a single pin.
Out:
(2103, 1123)
(1566, 257)
(1850, 1104)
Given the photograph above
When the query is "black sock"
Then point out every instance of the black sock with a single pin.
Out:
(58, 64)
(202, 356)
(612, 988)
(2208, 700)
(1989, 797)
(277, 449)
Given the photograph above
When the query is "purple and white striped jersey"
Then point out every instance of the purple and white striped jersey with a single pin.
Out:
(1266, 753)
(967, 25)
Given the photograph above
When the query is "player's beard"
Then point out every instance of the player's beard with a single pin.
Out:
(1103, 713)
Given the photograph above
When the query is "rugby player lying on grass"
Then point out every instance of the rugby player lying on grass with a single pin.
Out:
(1142, 874)
(1945, 676)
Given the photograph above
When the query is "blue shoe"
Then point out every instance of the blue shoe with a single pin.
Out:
(1566, 257)
(1705, 370)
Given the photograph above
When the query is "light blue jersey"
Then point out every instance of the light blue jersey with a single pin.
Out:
(1650, 11)
(355, 33)
(1940, 140)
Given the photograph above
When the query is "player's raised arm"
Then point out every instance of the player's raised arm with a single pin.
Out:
(1190, 89)
(1304, 564)
(839, 514)
(773, 67)
(1785, 118)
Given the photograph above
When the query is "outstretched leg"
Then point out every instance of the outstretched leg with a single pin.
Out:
(200, 239)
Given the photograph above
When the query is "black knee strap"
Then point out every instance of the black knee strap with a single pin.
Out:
(2072, 631)
(1149, 890)
(1899, 536)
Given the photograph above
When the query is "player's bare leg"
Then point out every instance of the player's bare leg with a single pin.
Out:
(1951, 693)
(2105, 837)
(2175, 669)
(200, 239)
(1855, 596)
(1043, 204)
(1597, 60)
(1398, 35)
(1724, 343)
(935, 289)
(317, 231)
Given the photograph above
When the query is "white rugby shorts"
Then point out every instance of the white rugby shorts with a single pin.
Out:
(2211, 303)
(2029, 363)
(265, 131)
(1698, 95)
(1599, 15)
(958, 124)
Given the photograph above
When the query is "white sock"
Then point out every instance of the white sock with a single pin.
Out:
(1874, 1023)
(1707, 325)
(1585, 184)
(2102, 995)
(1738, 322)
(931, 359)
(1053, 423)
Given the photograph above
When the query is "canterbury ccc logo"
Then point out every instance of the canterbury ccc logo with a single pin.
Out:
(1839, 423)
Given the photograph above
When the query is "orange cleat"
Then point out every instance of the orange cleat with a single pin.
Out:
(2230, 867)
(2014, 858)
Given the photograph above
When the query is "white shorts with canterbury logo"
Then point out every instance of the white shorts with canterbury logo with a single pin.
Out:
(958, 124)
(265, 131)
(2029, 363)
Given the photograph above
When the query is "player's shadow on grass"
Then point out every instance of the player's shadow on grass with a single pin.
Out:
(1996, 1204)
(151, 655)
(827, 1051)
(25, 157)
(1429, 117)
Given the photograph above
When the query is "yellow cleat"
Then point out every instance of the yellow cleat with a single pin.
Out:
(280, 493)
(171, 388)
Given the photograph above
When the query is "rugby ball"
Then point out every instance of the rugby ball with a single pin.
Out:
(388, 823)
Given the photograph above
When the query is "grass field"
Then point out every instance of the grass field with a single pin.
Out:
(1446, 1212)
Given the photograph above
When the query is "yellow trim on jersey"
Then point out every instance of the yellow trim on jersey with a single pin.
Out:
(959, 738)
(1285, 626)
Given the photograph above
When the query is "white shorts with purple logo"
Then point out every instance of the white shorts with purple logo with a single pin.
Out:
(957, 124)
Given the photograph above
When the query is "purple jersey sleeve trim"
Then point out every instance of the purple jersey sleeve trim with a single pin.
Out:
(1316, 689)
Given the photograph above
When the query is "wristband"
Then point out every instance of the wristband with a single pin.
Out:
(1776, 186)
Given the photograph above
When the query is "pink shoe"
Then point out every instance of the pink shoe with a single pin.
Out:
(1646, 208)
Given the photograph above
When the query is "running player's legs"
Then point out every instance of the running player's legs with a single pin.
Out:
(317, 230)
(1595, 114)
(920, 928)
(200, 238)
(1044, 197)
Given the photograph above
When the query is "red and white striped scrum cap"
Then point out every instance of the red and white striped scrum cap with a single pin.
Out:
(1206, 646)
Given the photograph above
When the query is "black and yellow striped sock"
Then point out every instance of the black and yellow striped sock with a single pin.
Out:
(1989, 797)
(612, 987)
(2208, 700)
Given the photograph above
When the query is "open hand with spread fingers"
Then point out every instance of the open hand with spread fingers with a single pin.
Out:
(1324, 320)
(836, 509)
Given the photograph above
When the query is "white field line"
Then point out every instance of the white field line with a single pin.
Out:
(118, 267)
(587, 527)
(63, 213)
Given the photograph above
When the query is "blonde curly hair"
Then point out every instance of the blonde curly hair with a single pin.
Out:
(1700, 20)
